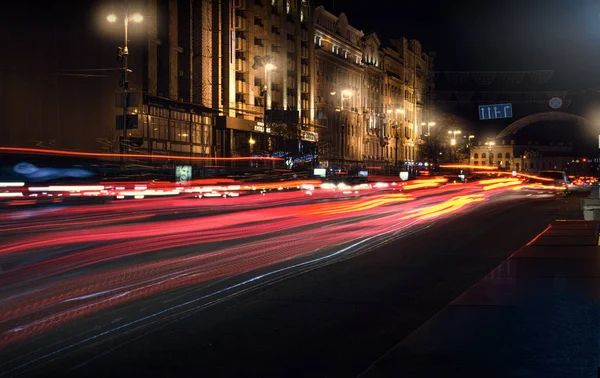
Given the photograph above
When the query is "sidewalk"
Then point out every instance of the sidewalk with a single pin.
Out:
(536, 315)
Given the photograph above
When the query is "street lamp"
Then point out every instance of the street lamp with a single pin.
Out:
(344, 94)
(397, 136)
(123, 53)
(266, 63)
(454, 133)
(490, 145)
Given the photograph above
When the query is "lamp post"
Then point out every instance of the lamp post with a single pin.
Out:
(490, 145)
(398, 111)
(344, 94)
(429, 125)
(123, 53)
(268, 68)
(454, 133)
(265, 62)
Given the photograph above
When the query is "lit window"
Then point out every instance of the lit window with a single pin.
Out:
(302, 15)
(287, 7)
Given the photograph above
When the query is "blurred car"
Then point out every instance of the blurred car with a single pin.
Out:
(549, 181)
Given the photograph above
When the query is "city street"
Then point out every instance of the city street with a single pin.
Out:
(282, 284)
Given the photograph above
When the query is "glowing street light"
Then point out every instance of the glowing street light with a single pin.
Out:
(122, 56)
(251, 141)
(137, 18)
(490, 145)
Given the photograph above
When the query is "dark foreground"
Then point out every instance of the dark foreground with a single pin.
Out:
(332, 321)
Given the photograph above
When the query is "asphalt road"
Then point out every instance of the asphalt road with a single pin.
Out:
(319, 320)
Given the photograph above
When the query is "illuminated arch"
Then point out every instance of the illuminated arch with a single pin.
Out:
(538, 117)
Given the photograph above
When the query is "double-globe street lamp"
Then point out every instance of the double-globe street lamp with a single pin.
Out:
(123, 53)
(398, 112)
(429, 125)
(345, 94)
(490, 145)
(454, 133)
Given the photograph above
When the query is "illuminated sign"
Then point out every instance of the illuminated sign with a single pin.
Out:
(495, 111)
(320, 172)
(260, 128)
(183, 173)
(309, 136)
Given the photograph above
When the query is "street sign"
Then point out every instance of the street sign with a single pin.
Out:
(183, 173)
(495, 111)
(555, 102)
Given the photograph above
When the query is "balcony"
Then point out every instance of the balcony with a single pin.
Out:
(241, 87)
(241, 23)
(241, 44)
(304, 52)
(241, 65)
(304, 35)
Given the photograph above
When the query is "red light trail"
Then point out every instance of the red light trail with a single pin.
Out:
(127, 250)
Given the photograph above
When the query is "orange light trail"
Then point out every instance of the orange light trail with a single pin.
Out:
(103, 154)
(446, 207)
(467, 166)
(360, 205)
(502, 185)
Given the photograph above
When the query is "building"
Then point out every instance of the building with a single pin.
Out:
(339, 78)
(375, 130)
(417, 89)
(530, 157)
(394, 107)
(204, 75)
(268, 66)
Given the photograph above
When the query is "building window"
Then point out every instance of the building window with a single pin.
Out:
(287, 7)
(499, 156)
(483, 156)
(476, 156)
(274, 48)
(258, 21)
(275, 30)
(258, 42)
(507, 155)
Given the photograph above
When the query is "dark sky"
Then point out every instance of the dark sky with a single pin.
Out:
(562, 35)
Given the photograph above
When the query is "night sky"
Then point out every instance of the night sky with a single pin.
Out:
(562, 35)
(493, 35)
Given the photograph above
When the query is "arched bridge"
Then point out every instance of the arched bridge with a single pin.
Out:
(539, 117)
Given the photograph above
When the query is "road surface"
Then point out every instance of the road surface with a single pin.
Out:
(290, 286)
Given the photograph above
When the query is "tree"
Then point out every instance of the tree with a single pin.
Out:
(437, 146)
